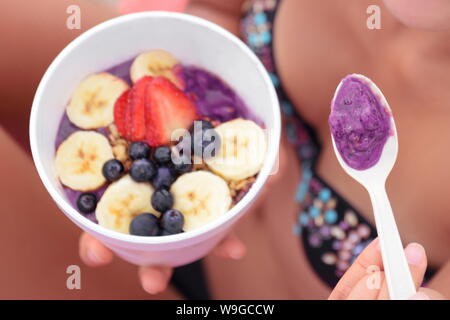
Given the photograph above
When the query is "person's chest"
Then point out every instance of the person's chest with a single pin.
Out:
(314, 48)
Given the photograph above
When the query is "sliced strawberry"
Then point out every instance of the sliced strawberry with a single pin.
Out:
(178, 78)
(167, 109)
(155, 134)
(120, 108)
(128, 117)
(137, 108)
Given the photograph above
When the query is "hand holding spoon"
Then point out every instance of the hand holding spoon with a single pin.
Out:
(365, 143)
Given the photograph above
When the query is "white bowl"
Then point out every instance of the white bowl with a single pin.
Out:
(193, 41)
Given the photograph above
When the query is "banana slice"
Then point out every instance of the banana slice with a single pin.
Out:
(80, 158)
(156, 63)
(242, 150)
(200, 196)
(121, 202)
(92, 104)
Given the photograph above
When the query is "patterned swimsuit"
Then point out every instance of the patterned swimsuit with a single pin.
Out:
(333, 233)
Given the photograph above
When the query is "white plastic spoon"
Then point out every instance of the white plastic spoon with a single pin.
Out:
(398, 276)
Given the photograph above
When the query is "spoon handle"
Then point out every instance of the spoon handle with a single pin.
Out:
(398, 276)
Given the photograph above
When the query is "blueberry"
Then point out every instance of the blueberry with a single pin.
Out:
(163, 178)
(145, 224)
(113, 169)
(162, 200)
(181, 164)
(172, 221)
(162, 155)
(87, 202)
(139, 150)
(163, 232)
(142, 170)
(205, 140)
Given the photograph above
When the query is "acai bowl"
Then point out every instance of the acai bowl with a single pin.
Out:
(200, 62)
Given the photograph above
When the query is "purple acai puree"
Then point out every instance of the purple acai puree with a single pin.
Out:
(122, 71)
(359, 123)
(214, 99)
(72, 196)
(66, 128)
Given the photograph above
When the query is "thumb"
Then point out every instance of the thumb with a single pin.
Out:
(427, 294)
(93, 252)
(417, 261)
(230, 248)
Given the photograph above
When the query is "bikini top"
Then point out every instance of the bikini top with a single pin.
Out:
(332, 231)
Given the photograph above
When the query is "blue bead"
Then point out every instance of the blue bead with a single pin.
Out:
(253, 39)
(358, 249)
(297, 230)
(325, 194)
(302, 190)
(303, 219)
(303, 186)
(260, 18)
(306, 151)
(314, 211)
(307, 172)
(266, 37)
(331, 216)
(274, 79)
(291, 133)
(287, 108)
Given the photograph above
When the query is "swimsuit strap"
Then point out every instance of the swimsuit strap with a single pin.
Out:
(257, 26)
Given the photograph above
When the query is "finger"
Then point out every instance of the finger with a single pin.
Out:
(93, 252)
(417, 260)
(383, 293)
(416, 257)
(368, 261)
(368, 287)
(231, 248)
(427, 294)
(155, 279)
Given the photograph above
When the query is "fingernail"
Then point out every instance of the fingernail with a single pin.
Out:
(93, 257)
(149, 286)
(377, 244)
(414, 254)
(236, 253)
(151, 280)
(419, 296)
